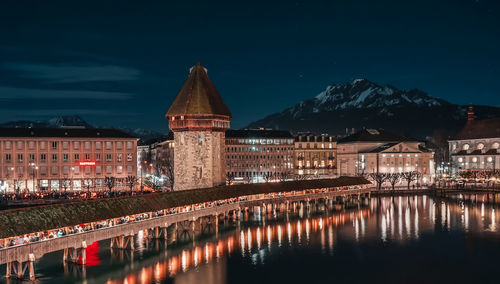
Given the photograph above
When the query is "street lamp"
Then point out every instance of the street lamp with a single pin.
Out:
(14, 177)
(72, 182)
(34, 168)
(140, 169)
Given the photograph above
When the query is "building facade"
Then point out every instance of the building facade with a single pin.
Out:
(155, 161)
(64, 159)
(379, 151)
(315, 155)
(476, 146)
(259, 155)
(199, 118)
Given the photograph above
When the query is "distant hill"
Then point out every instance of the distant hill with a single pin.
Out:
(361, 103)
(75, 121)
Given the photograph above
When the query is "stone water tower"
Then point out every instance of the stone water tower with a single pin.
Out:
(199, 118)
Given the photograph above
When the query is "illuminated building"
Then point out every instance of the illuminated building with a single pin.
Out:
(65, 159)
(379, 151)
(259, 155)
(315, 155)
(477, 145)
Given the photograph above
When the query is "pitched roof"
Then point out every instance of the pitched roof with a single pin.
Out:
(373, 135)
(477, 129)
(198, 96)
(257, 133)
(64, 132)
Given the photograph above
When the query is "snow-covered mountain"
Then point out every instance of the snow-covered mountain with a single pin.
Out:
(362, 93)
(361, 103)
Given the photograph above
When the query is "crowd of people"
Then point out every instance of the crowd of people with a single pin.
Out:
(56, 195)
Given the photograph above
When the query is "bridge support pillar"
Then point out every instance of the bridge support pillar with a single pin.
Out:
(123, 242)
(73, 254)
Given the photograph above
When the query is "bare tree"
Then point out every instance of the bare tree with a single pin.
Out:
(410, 177)
(284, 176)
(267, 176)
(131, 182)
(393, 179)
(110, 183)
(164, 166)
(87, 183)
(65, 183)
(379, 178)
(229, 178)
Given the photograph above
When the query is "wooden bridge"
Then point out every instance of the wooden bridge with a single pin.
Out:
(20, 259)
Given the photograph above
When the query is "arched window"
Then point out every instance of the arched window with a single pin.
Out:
(465, 147)
(480, 146)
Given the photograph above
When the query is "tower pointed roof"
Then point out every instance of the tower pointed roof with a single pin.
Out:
(198, 96)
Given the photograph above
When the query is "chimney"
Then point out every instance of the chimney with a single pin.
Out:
(470, 114)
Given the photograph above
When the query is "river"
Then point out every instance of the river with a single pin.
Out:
(410, 239)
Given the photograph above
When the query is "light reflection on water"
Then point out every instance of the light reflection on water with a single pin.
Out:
(261, 240)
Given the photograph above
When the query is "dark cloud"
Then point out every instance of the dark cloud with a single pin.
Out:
(73, 74)
(13, 93)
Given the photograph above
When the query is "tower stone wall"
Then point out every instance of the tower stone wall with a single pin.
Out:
(199, 160)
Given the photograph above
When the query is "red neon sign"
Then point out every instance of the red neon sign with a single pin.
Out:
(87, 163)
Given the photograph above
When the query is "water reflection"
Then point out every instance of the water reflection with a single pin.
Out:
(264, 236)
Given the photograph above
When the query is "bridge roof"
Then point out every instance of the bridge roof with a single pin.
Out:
(21, 221)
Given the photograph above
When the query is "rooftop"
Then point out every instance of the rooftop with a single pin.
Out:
(478, 129)
(257, 133)
(373, 135)
(198, 96)
(64, 132)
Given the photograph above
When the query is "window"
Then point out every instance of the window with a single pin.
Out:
(129, 157)
(32, 157)
(87, 145)
(7, 157)
(54, 157)
(42, 145)
(87, 170)
(43, 158)
(76, 145)
(77, 157)
(31, 145)
(98, 169)
(7, 145)
(54, 145)
(465, 147)
(109, 145)
(98, 145)
(65, 170)
(65, 145)
(98, 157)
(109, 169)
(20, 145)
(119, 169)
(119, 157)
(87, 157)
(109, 157)
(129, 145)
(129, 169)
(54, 170)
(200, 139)
(65, 157)
(119, 145)
(20, 158)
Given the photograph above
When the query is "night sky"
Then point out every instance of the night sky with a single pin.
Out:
(121, 63)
